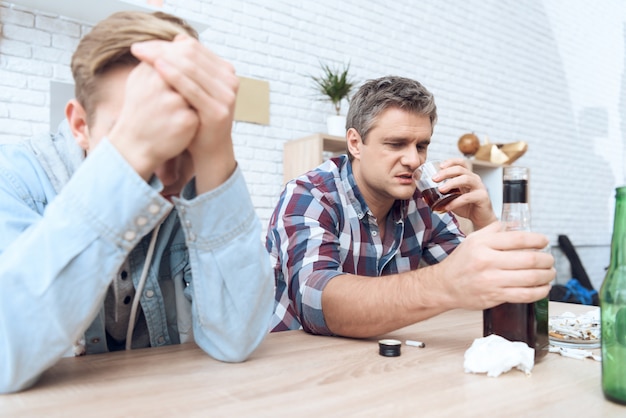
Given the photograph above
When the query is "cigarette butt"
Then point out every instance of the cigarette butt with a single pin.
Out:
(412, 343)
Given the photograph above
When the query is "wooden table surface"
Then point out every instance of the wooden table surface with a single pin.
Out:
(296, 374)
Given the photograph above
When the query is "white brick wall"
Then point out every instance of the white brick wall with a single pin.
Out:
(548, 72)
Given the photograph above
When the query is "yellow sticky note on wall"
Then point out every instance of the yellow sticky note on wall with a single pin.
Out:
(253, 101)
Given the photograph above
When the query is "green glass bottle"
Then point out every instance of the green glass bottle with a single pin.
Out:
(613, 309)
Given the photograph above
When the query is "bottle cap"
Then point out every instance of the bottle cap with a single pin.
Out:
(389, 348)
(515, 173)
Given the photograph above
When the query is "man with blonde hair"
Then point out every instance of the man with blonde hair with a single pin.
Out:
(140, 244)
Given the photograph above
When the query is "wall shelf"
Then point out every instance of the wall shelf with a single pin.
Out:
(304, 154)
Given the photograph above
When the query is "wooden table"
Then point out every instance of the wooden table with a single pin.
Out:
(296, 374)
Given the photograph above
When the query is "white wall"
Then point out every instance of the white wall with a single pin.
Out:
(548, 72)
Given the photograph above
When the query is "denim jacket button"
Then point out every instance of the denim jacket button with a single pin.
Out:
(141, 221)
(149, 293)
(154, 208)
(130, 235)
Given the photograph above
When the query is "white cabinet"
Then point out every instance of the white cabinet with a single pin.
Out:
(491, 175)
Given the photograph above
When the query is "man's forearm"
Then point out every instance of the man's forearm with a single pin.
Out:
(213, 169)
(232, 280)
(359, 306)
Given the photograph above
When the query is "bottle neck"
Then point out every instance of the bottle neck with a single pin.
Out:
(618, 242)
(516, 216)
(515, 208)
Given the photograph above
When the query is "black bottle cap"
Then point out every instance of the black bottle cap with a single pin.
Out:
(389, 348)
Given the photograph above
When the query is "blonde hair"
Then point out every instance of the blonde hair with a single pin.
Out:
(107, 46)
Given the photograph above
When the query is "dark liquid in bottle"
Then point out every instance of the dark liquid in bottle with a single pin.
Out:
(438, 201)
(526, 322)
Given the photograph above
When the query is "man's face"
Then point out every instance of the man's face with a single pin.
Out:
(174, 173)
(394, 148)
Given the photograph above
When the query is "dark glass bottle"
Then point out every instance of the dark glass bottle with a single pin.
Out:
(613, 309)
(526, 322)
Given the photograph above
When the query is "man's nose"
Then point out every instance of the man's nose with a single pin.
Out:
(412, 158)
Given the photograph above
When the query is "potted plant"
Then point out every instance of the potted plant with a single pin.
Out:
(335, 85)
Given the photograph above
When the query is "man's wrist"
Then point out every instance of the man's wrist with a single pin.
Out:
(212, 174)
(481, 224)
(138, 160)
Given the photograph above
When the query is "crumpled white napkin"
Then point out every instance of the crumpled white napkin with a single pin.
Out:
(495, 355)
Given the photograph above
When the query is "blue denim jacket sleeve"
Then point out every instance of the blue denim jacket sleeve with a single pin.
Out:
(232, 289)
(57, 260)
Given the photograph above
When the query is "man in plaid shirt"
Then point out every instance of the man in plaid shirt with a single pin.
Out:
(356, 251)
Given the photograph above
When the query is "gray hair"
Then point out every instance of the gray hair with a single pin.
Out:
(376, 96)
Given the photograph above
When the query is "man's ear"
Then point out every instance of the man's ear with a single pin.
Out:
(77, 118)
(354, 143)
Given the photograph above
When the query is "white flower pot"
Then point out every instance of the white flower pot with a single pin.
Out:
(336, 125)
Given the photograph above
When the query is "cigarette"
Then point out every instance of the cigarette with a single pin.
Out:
(412, 343)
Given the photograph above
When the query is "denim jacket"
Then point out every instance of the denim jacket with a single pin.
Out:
(68, 225)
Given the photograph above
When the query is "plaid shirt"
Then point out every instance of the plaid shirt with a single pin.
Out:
(322, 228)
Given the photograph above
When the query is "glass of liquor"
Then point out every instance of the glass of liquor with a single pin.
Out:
(429, 189)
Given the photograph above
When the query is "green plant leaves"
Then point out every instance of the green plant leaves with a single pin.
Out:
(335, 84)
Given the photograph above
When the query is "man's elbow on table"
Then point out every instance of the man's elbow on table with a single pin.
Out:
(11, 381)
(19, 368)
(231, 348)
(238, 335)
